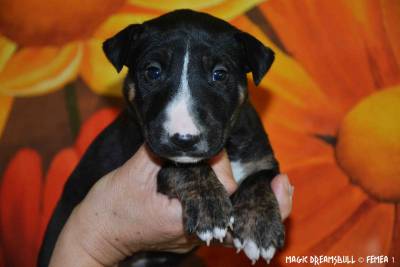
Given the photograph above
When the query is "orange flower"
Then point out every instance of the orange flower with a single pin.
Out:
(27, 198)
(332, 110)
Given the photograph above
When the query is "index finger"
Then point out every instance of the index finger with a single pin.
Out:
(222, 168)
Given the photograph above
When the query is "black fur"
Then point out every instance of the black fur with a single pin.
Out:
(220, 109)
(258, 57)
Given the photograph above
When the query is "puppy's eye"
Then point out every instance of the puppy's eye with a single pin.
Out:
(153, 72)
(219, 74)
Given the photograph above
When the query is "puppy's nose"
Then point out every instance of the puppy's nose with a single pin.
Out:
(184, 141)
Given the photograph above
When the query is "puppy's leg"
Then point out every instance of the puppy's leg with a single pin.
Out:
(207, 209)
(258, 228)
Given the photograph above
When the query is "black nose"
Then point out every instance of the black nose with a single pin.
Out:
(185, 141)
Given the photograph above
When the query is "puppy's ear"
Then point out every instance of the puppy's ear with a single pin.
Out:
(258, 58)
(119, 47)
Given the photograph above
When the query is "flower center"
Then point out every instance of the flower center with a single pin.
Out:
(39, 22)
(368, 147)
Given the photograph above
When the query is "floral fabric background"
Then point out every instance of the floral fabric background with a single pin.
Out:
(330, 103)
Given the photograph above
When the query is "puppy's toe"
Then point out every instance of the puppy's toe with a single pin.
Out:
(219, 233)
(205, 236)
(268, 253)
(238, 244)
(251, 250)
(258, 230)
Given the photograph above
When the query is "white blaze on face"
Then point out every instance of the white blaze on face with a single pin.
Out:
(179, 119)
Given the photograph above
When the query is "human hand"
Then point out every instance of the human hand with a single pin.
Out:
(123, 214)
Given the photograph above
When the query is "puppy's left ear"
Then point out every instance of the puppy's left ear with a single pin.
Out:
(119, 47)
(258, 57)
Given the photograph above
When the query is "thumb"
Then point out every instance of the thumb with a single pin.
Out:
(142, 166)
(284, 193)
(222, 168)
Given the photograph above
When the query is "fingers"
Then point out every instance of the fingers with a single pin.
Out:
(283, 191)
(144, 164)
(222, 168)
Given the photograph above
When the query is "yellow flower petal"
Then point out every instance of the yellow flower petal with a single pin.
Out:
(35, 71)
(118, 22)
(5, 107)
(7, 49)
(176, 4)
(98, 72)
(368, 147)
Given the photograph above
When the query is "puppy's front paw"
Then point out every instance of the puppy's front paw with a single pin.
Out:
(207, 209)
(208, 215)
(258, 228)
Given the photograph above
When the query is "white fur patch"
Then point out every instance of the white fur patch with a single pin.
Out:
(238, 245)
(131, 91)
(179, 119)
(251, 250)
(241, 94)
(268, 253)
(243, 169)
(219, 233)
(238, 171)
(231, 221)
(185, 159)
(205, 236)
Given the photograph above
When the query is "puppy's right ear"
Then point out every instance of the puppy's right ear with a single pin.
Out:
(119, 47)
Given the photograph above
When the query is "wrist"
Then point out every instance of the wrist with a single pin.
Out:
(94, 225)
(71, 248)
(90, 235)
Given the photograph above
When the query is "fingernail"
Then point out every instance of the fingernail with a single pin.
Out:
(291, 192)
(289, 188)
(287, 183)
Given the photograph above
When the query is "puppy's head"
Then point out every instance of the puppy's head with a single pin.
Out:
(187, 80)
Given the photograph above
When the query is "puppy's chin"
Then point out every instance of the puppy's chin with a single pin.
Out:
(185, 159)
